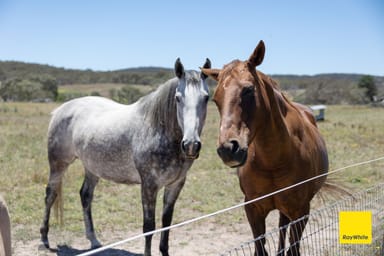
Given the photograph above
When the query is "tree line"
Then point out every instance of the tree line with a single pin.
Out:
(21, 81)
(63, 76)
(333, 88)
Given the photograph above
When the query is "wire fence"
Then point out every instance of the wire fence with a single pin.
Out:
(321, 234)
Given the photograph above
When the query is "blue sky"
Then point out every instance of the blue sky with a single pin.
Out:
(301, 37)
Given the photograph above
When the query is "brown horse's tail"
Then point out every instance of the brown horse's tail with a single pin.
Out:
(58, 206)
(334, 189)
(339, 189)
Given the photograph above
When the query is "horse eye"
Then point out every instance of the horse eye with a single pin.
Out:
(206, 98)
(247, 91)
(178, 98)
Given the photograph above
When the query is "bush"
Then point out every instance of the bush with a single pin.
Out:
(126, 95)
(329, 93)
(66, 96)
(367, 83)
(43, 88)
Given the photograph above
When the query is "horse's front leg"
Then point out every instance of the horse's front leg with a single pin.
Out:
(148, 196)
(256, 219)
(296, 231)
(171, 193)
(283, 226)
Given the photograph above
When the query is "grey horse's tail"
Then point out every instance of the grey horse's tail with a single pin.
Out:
(58, 206)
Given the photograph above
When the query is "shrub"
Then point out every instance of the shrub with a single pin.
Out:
(367, 83)
(41, 88)
(126, 95)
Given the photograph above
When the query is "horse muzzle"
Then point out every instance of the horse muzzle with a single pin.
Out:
(231, 153)
(191, 149)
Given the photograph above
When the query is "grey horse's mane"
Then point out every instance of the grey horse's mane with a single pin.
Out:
(159, 108)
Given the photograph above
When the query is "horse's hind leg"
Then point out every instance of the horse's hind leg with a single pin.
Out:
(52, 192)
(171, 193)
(86, 195)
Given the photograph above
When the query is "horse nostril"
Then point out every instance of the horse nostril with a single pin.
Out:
(183, 146)
(232, 154)
(197, 145)
(235, 146)
(191, 148)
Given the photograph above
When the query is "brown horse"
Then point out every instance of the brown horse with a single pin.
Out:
(274, 143)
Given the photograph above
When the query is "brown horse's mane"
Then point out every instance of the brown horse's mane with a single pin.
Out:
(283, 101)
(268, 80)
(228, 68)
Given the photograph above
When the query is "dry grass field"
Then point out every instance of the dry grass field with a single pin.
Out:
(352, 133)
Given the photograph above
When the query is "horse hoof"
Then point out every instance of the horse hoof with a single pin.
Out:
(96, 245)
(45, 244)
(44, 249)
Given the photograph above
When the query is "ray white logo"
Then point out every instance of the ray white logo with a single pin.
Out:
(355, 227)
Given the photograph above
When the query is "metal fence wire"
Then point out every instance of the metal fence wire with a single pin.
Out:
(321, 234)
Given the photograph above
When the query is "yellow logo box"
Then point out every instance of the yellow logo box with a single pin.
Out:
(355, 227)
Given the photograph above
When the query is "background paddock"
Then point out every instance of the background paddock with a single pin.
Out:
(352, 134)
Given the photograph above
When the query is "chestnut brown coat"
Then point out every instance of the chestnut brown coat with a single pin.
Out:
(273, 141)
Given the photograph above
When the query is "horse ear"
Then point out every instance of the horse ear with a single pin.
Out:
(258, 55)
(207, 65)
(213, 73)
(179, 68)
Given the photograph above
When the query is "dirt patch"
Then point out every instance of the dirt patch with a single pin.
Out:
(200, 238)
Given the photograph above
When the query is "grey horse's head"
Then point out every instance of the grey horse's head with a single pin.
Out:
(191, 96)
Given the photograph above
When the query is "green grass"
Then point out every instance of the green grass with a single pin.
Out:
(355, 134)
(352, 133)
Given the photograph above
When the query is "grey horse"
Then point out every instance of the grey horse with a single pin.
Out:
(152, 142)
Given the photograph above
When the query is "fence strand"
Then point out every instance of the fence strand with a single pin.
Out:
(187, 222)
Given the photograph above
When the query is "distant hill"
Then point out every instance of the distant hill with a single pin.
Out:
(144, 76)
(322, 88)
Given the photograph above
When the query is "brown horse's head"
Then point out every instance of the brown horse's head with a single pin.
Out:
(236, 99)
